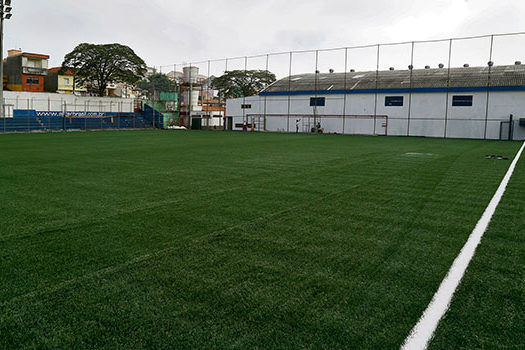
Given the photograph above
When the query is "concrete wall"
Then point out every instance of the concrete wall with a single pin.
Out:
(422, 114)
(69, 103)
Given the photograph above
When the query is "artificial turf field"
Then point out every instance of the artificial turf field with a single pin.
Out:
(158, 239)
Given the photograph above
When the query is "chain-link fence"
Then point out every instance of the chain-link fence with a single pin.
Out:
(431, 76)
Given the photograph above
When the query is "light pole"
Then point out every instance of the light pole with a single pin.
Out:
(5, 13)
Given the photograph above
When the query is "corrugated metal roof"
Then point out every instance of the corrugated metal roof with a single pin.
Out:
(403, 79)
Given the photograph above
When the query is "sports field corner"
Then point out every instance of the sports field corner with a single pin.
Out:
(166, 239)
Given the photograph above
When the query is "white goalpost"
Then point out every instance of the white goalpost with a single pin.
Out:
(350, 124)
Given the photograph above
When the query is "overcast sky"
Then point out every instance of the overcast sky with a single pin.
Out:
(165, 32)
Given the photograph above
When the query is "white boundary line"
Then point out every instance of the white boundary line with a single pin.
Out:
(423, 331)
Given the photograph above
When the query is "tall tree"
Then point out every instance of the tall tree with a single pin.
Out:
(104, 64)
(239, 83)
(157, 83)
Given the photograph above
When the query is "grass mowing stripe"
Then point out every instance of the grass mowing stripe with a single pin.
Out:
(67, 225)
(424, 330)
(171, 248)
(352, 271)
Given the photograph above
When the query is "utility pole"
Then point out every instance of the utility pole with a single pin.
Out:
(5, 13)
(153, 103)
(189, 100)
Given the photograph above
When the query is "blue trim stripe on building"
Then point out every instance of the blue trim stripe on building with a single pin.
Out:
(395, 91)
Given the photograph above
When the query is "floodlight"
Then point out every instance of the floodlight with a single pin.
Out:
(7, 3)
(8, 9)
(8, 15)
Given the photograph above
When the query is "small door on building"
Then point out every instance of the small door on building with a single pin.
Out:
(229, 123)
(196, 123)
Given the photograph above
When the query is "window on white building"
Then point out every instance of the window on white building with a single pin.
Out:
(462, 101)
(394, 101)
(317, 101)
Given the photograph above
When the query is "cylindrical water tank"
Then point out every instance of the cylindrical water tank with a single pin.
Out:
(190, 74)
(194, 99)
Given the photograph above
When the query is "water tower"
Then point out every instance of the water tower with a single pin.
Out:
(190, 93)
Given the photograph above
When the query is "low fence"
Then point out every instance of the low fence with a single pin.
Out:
(38, 121)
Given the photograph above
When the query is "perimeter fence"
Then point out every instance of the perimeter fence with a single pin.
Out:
(75, 113)
(431, 115)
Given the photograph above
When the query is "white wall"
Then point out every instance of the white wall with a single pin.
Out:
(427, 115)
(42, 101)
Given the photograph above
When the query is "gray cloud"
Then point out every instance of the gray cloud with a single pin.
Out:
(165, 31)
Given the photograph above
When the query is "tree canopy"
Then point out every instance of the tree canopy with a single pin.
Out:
(104, 64)
(157, 83)
(239, 83)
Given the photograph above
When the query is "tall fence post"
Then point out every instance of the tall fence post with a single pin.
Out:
(265, 97)
(411, 69)
(511, 127)
(176, 106)
(134, 115)
(316, 86)
(207, 93)
(224, 97)
(153, 110)
(344, 88)
(490, 64)
(244, 119)
(448, 87)
(289, 92)
(49, 116)
(64, 117)
(28, 123)
(376, 87)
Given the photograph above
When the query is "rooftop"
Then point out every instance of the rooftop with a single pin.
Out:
(57, 70)
(28, 54)
(513, 75)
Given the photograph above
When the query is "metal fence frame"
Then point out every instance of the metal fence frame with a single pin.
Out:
(293, 58)
(31, 115)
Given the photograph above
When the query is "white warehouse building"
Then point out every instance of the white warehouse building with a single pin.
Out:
(467, 102)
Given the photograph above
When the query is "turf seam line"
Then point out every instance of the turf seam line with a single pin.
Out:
(422, 333)
(164, 251)
(89, 221)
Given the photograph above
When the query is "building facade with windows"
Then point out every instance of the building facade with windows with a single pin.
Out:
(25, 71)
(62, 82)
(467, 102)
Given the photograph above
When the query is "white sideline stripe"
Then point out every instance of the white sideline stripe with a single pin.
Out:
(423, 331)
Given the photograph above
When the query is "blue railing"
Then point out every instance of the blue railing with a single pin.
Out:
(31, 120)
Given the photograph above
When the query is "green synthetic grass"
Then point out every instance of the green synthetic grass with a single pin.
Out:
(488, 308)
(150, 239)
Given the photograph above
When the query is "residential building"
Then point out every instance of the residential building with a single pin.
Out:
(150, 71)
(120, 90)
(62, 82)
(178, 77)
(25, 71)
